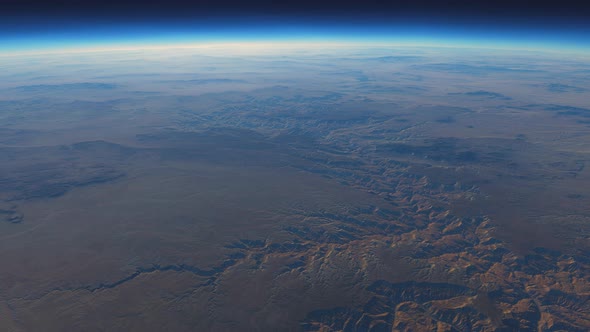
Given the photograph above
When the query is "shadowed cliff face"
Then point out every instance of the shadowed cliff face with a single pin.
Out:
(352, 190)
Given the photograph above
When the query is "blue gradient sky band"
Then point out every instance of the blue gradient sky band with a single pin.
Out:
(52, 35)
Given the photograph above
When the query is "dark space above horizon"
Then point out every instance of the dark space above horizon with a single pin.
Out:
(516, 10)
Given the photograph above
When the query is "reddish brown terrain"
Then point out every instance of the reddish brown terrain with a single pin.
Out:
(429, 190)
